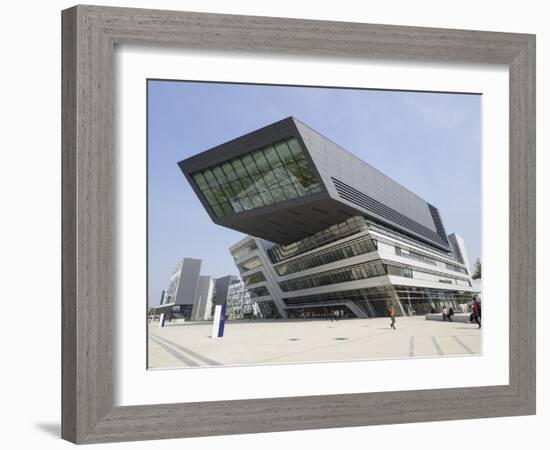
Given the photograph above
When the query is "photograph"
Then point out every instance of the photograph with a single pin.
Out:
(309, 224)
(264, 225)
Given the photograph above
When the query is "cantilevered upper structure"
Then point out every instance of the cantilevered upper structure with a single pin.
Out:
(285, 182)
(327, 232)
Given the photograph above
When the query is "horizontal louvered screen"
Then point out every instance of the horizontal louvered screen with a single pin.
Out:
(364, 201)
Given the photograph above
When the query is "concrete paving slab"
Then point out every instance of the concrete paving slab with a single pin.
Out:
(295, 341)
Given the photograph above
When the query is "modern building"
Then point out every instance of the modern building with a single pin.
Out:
(202, 307)
(189, 295)
(325, 229)
(239, 303)
(221, 288)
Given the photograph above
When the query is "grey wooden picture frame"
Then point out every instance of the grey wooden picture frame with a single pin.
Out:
(90, 34)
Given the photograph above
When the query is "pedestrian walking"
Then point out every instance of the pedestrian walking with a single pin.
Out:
(392, 313)
(476, 309)
(450, 313)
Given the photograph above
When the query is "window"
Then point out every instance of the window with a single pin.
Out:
(261, 291)
(265, 176)
(344, 275)
(249, 264)
(245, 249)
(257, 277)
(357, 247)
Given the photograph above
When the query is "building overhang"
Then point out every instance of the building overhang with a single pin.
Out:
(331, 201)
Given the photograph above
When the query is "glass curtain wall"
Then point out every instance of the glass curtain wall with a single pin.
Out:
(263, 177)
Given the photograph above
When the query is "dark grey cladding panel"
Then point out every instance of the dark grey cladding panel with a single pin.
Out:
(438, 221)
(244, 144)
(384, 212)
(334, 162)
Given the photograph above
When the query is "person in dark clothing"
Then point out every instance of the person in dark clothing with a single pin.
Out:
(450, 313)
(392, 313)
(476, 309)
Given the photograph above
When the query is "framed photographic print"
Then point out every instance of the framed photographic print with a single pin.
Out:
(279, 224)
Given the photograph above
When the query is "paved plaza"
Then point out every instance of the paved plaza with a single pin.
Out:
(291, 341)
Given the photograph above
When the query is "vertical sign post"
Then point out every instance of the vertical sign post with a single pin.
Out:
(219, 321)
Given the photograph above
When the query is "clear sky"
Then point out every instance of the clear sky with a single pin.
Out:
(428, 142)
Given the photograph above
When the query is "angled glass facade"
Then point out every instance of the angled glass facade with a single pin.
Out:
(349, 249)
(260, 178)
(351, 273)
(256, 277)
(333, 233)
(249, 264)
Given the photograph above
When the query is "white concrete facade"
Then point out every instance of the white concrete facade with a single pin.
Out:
(189, 295)
(183, 284)
(360, 273)
(202, 306)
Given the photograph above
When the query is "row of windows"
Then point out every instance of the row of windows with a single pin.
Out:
(351, 226)
(426, 259)
(358, 272)
(258, 161)
(429, 259)
(375, 301)
(257, 277)
(403, 237)
(433, 277)
(261, 291)
(400, 271)
(266, 191)
(249, 264)
(268, 310)
(353, 248)
(419, 273)
(414, 256)
(455, 268)
(320, 312)
(244, 250)
(428, 295)
(269, 175)
(341, 230)
(423, 301)
(355, 295)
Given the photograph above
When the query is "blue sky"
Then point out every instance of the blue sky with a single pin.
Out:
(428, 142)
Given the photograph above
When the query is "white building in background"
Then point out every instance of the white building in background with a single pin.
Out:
(182, 288)
(221, 288)
(202, 306)
(189, 295)
(239, 304)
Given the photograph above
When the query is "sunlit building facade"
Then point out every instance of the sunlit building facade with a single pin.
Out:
(189, 294)
(326, 230)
